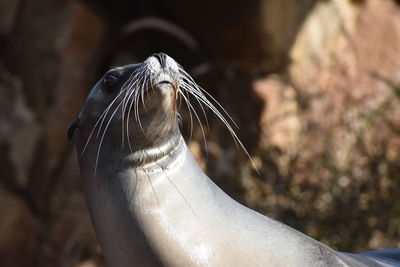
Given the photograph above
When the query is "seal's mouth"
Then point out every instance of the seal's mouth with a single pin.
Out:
(163, 85)
(165, 81)
(166, 77)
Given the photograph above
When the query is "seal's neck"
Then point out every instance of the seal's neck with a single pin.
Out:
(151, 157)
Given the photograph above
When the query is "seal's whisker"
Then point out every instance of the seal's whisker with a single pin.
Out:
(218, 114)
(201, 91)
(201, 97)
(200, 94)
(131, 85)
(90, 135)
(123, 110)
(124, 120)
(131, 90)
(177, 189)
(136, 182)
(147, 83)
(187, 87)
(190, 111)
(137, 82)
(139, 95)
(136, 103)
(102, 116)
(152, 188)
(123, 89)
(199, 120)
(133, 98)
(138, 92)
(150, 83)
(102, 137)
(183, 197)
(143, 90)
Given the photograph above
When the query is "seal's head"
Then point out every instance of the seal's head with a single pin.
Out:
(134, 106)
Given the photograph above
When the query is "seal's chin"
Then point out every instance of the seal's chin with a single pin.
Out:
(169, 92)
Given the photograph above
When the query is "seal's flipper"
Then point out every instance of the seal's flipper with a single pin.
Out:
(71, 130)
(386, 257)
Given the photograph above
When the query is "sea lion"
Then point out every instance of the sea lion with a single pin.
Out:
(150, 202)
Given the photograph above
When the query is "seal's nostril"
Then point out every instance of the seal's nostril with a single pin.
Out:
(161, 57)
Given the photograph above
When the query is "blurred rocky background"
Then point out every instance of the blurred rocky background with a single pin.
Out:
(313, 84)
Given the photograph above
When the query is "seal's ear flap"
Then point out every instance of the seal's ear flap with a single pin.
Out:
(71, 130)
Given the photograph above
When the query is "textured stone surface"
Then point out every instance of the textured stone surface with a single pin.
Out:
(335, 137)
(51, 52)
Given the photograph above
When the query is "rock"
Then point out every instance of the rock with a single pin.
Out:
(342, 135)
(53, 62)
(18, 128)
(19, 231)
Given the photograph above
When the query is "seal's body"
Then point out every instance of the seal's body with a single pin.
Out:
(150, 202)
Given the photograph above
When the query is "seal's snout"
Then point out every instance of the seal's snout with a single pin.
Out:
(161, 61)
(164, 71)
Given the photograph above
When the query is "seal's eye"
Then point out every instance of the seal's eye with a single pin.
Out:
(109, 82)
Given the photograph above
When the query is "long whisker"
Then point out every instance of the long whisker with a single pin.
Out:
(191, 82)
(134, 103)
(140, 93)
(132, 77)
(101, 118)
(198, 119)
(206, 102)
(146, 84)
(152, 189)
(190, 111)
(189, 85)
(177, 189)
(187, 88)
(107, 110)
(102, 137)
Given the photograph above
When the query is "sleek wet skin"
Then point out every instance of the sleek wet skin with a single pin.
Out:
(150, 202)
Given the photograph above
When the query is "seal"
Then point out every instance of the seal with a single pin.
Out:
(150, 202)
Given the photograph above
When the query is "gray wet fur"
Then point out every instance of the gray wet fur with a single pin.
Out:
(152, 205)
